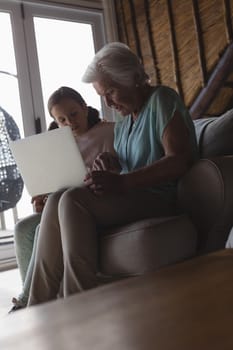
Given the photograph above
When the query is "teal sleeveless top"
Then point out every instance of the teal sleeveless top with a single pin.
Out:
(140, 144)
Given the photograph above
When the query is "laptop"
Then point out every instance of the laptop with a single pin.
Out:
(49, 161)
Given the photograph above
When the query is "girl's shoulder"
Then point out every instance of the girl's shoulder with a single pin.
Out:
(102, 125)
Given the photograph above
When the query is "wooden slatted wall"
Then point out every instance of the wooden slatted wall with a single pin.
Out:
(182, 44)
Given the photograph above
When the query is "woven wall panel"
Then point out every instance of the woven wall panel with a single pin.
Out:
(162, 39)
(122, 30)
(74, 2)
(213, 27)
(129, 25)
(230, 78)
(224, 98)
(141, 22)
(231, 8)
(181, 41)
(186, 38)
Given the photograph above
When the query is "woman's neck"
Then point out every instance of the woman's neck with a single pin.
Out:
(143, 93)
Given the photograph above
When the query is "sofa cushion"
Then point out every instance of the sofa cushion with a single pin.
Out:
(214, 135)
(146, 245)
(205, 194)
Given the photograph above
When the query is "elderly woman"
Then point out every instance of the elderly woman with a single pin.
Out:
(156, 145)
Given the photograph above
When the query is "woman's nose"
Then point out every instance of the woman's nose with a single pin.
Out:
(108, 101)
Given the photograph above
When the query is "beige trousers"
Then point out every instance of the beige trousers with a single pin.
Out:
(68, 238)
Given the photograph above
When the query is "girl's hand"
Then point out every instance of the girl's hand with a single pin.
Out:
(39, 202)
(106, 161)
(102, 182)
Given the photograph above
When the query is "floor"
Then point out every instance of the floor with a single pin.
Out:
(10, 286)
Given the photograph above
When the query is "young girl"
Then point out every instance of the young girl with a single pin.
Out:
(67, 107)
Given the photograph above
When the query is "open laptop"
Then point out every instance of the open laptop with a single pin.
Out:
(49, 161)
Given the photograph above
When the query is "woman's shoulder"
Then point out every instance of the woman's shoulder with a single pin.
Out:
(163, 91)
(163, 95)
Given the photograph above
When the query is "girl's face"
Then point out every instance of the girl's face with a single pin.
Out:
(121, 98)
(71, 113)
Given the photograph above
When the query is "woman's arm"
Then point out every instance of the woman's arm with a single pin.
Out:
(176, 161)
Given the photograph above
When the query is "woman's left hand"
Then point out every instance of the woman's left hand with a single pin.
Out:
(101, 182)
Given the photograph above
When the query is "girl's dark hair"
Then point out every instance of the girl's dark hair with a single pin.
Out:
(53, 125)
(67, 92)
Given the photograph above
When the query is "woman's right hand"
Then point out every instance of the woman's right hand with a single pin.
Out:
(39, 202)
(106, 161)
(106, 182)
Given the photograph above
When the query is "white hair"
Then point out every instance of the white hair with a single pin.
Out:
(117, 63)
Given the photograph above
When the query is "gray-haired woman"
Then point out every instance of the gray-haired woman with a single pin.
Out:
(156, 145)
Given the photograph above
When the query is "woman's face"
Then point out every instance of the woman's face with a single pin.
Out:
(121, 98)
(71, 113)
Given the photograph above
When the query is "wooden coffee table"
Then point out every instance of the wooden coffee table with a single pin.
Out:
(188, 306)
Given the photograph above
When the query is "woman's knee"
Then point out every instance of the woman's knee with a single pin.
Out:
(78, 228)
(53, 199)
(51, 207)
(72, 196)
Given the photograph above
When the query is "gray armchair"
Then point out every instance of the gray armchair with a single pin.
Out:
(205, 198)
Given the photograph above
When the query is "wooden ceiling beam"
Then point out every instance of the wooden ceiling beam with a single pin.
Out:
(174, 49)
(152, 42)
(135, 30)
(200, 44)
(216, 80)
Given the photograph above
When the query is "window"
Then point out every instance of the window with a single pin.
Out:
(44, 46)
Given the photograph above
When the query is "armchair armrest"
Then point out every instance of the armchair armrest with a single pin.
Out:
(205, 193)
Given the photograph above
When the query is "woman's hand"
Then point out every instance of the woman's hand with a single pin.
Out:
(39, 202)
(106, 161)
(102, 182)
